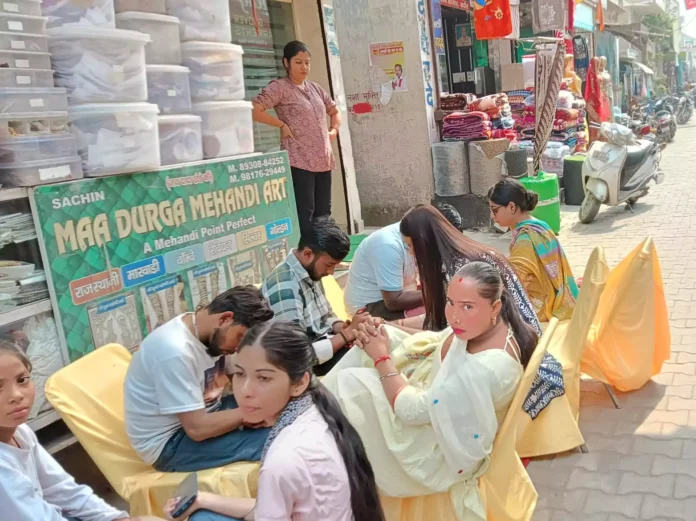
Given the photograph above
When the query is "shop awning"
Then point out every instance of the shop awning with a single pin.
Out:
(644, 68)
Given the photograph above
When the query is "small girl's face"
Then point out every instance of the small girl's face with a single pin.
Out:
(468, 314)
(261, 389)
(16, 392)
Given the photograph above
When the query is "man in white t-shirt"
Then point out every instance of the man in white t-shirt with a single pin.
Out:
(176, 417)
(382, 276)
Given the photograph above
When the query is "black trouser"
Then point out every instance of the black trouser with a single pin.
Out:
(312, 195)
(379, 309)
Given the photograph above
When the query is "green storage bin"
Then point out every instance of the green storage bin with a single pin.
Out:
(549, 207)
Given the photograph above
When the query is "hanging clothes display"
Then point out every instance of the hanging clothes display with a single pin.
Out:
(597, 103)
(548, 15)
(581, 56)
(549, 75)
(492, 19)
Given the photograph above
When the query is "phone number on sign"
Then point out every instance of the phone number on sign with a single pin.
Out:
(258, 174)
(261, 163)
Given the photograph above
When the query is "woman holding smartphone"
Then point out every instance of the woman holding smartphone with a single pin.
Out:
(314, 465)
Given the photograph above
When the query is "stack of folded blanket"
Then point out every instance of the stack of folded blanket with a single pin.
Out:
(456, 101)
(466, 126)
(508, 133)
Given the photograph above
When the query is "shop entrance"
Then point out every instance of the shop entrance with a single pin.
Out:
(459, 41)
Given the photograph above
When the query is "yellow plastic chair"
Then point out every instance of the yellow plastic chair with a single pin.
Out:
(88, 395)
(630, 337)
(506, 489)
(334, 294)
(555, 429)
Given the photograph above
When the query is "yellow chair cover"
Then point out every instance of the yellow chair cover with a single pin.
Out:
(334, 294)
(507, 491)
(88, 395)
(630, 338)
(556, 429)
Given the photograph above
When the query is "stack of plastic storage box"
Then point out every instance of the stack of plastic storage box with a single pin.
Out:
(180, 134)
(35, 144)
(216, 77)
(103, 70)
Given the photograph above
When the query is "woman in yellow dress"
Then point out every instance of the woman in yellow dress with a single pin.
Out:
(535, 253)
(428, 406)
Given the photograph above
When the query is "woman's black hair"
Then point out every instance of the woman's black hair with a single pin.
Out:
(490, 286)
(450, 213)
(9, 348)
(288, 348)
(512, 191)
(439, 248)
(291, 50)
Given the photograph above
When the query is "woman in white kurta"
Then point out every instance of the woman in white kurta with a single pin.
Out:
(428, 406)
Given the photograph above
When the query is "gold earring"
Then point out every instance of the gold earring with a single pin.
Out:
(494, 319)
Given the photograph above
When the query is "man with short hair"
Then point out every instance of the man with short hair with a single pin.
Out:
(295, 292)
(176, 417)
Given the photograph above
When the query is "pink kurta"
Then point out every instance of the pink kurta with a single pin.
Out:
(303, 477)
(303, 109)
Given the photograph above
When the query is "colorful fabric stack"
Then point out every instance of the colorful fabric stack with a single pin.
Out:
(456, 101)
(466, 126)
(569, 121)
(582, 134)
(498, 109)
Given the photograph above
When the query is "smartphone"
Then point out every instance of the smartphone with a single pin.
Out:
(187, 492)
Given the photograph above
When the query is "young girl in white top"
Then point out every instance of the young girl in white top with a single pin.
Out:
(33, 485)
(314, 466)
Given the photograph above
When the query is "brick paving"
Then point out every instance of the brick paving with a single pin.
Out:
(642, 459)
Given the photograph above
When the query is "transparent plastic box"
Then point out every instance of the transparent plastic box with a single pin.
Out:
(32, 124)
(39, 148)
(33, 100)
(24, 42)
(144, 6)
(14, 23)
(181, 139)
(25, 60)
(98, 13)
(168, 88)
(116, 138)
(38, 78)
(99, 65)
(207, 21)
(25, 7)
(227, 128)
(217, 71)
(35, 173)
(164, 47)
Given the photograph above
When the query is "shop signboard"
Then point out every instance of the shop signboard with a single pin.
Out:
(127, 253)
(438, 35)
(463, 5)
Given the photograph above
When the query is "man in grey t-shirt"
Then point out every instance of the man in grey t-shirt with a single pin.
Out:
(176, 417)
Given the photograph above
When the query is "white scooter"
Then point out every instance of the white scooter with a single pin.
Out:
(618, 171)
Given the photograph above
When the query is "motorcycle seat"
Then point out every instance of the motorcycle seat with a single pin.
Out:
(637, 154)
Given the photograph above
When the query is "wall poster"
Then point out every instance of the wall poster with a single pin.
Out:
(128, 253)
(389, 58)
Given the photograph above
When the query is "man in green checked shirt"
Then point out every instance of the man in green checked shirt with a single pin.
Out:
(295, 293)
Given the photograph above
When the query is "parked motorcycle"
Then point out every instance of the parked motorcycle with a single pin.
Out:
(685, 110)
(618, 170)
(665, 123)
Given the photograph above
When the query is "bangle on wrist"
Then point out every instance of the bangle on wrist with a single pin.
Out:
(382, 359)
(389, 375)
(344, 337)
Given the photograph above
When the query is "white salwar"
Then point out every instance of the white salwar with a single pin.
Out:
(440, 434)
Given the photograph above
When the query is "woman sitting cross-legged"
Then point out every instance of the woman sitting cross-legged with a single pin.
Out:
(313, 466)
(535, 253)
(428, 406)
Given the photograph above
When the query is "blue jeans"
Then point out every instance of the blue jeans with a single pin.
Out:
(207, 515)
(182, 454)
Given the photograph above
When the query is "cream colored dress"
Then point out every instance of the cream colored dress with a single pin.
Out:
(440, 434)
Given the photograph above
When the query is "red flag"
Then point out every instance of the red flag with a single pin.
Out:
(690, 4)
